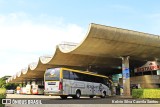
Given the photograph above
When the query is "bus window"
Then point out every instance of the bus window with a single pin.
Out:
(98, 80)
(106, 82)
(52, 74)
(92, 78)
(86, 79)
(72, 75)
(66, 74)
(77, 76)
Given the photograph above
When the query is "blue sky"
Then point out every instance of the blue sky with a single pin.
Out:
(136, 14)
(32, 28)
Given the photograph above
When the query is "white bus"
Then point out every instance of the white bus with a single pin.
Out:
(28, 89)
(23, 90)
(66, 82)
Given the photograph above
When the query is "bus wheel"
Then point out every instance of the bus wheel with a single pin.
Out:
(78, 94)
(63, 97)
(103, 94)
(91, 96)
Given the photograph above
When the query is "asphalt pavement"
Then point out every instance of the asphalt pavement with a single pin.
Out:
(51, 101)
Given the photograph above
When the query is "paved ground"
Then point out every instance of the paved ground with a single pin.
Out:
(83, 102)
(29, 96)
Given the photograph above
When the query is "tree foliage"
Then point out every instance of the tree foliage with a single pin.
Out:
(3, 83)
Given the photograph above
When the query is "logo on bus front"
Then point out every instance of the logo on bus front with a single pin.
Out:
(52, 73)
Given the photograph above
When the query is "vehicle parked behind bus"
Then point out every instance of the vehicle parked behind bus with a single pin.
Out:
(66, 82)
(11, 91)
(23, 90)
(18, 89)
(28, 89)
(37, 89)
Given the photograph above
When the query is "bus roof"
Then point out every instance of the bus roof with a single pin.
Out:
(85, 72)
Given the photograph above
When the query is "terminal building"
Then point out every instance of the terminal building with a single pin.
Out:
(146, 76)
(129, 57)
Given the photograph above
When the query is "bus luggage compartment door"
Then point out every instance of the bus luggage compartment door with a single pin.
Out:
(90, 88)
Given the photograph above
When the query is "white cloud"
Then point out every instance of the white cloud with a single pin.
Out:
(23, 41)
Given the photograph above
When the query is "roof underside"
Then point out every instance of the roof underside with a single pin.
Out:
(103, 47)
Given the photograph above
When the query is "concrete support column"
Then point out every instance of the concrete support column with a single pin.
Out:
(126, 76)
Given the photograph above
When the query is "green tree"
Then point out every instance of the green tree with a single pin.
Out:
(3, 83)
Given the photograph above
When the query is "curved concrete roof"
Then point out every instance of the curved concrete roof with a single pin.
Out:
(102, 46)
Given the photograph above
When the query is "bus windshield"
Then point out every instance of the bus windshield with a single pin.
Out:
(52, 74)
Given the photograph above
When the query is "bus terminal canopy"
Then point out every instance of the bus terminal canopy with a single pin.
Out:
(103, 46)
